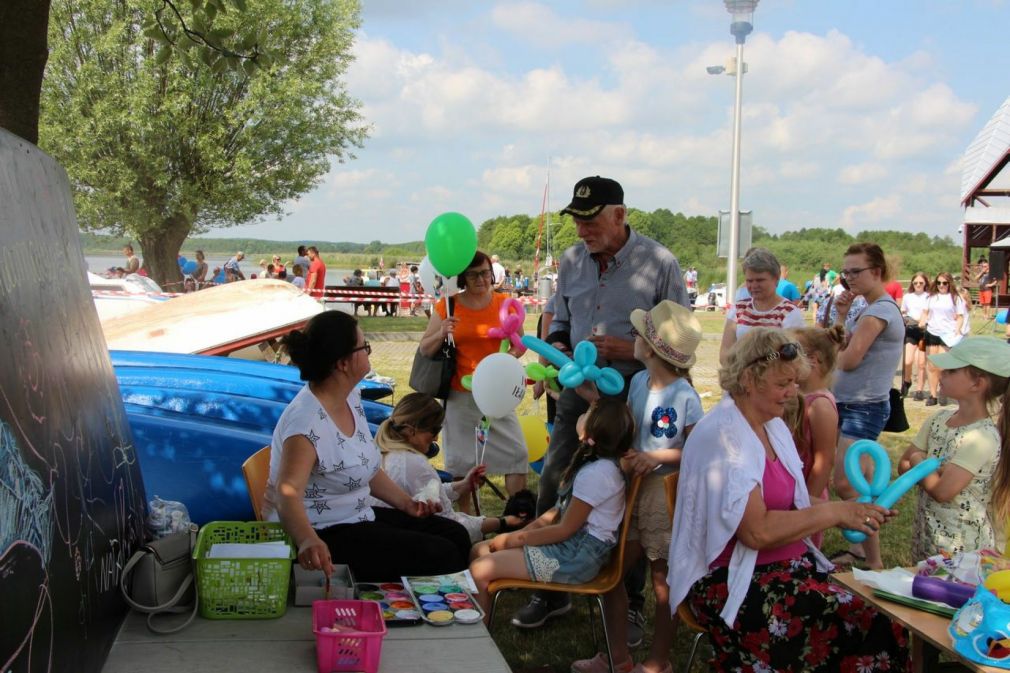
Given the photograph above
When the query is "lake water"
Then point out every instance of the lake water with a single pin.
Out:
(100, 264)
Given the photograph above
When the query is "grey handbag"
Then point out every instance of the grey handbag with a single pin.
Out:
(158, 579)
(432, 375)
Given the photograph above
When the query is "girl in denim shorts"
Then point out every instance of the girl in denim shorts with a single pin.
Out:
(570, 542)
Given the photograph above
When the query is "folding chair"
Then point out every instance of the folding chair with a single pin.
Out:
(256, 470)
(683, 610)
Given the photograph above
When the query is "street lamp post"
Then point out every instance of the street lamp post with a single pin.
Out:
(742, 25)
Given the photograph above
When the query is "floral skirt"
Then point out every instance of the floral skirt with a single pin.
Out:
(795, 619)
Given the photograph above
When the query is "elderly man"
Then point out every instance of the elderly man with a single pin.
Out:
(602, 279)
(232, 271)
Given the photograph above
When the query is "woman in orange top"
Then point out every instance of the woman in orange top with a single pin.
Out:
(474, 312)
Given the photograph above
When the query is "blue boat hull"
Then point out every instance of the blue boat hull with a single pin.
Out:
(194, 426)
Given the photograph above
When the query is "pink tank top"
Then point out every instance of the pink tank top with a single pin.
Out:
(804, 443)
(778, 488)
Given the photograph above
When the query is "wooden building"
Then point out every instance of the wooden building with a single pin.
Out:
(985, 197)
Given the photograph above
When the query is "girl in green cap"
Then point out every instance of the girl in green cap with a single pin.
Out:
(965, 505)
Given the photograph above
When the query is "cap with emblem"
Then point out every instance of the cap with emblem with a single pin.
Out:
(592, 194)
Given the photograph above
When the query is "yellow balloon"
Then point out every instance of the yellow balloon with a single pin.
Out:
(535, 432)
(998, 581)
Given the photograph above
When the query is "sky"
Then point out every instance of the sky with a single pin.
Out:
(855, 112)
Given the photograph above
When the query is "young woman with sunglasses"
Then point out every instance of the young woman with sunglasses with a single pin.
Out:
(404, 440)
(324, 470)
(913, 303)
(766, 599)
(866, 367)
(942, 319)
(475, 310)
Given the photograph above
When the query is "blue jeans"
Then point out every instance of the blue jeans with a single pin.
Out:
(863, 420)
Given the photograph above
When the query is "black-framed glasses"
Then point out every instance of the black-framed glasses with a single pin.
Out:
(367, 348)
(852, 273)
(942, 283)
(787, 352)
(486, 274)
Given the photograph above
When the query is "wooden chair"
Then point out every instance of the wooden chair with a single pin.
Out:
(256, 470)
(683, 610)
(608, 577)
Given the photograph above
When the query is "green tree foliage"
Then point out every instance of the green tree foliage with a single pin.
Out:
(162, 142)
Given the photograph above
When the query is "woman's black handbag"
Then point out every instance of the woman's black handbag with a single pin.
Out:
(433, 375)
(897, 421)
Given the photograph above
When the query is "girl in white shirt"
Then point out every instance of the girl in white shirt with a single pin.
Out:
(942, 319)
(912, 305)
(570, 542)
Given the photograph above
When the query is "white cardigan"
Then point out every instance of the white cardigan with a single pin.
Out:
(722, 463)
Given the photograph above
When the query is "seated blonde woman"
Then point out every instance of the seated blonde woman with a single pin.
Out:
(404, 439)
(741, 553)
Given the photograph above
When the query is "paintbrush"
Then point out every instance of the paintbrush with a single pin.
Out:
(326, 589)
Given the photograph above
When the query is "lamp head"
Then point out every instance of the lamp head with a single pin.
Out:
(743, 18)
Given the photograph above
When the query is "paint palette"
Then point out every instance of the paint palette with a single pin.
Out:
(395, 602)
(444, 601)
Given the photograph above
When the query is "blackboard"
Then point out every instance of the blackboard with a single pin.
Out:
(71, 499)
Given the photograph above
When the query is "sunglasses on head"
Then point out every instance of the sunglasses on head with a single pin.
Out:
(787, 352)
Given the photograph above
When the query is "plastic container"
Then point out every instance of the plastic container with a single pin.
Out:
(953, 594)
(255, 588)
(356, 645)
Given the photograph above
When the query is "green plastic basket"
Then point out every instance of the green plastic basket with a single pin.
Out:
(241, 588)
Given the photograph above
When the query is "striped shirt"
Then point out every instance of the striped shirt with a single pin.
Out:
(785, 314)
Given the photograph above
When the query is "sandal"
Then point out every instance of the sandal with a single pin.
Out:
(846, 559)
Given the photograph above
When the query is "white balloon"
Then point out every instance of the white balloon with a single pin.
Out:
(498, 385)
(433, 282)
(427, 273)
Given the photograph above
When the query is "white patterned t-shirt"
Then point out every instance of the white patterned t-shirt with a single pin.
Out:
(337, 490)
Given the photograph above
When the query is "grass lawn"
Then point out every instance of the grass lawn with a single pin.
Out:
(568, 638)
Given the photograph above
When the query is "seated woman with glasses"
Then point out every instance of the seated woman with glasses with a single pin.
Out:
(475, 310)
(325, 468)
(741, 553)
(866, 366)
(764, 306)
(942, 319)
(405, 438)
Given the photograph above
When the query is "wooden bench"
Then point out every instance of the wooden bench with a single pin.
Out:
(363, 296)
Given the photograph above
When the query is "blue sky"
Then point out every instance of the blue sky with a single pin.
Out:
(856, 113)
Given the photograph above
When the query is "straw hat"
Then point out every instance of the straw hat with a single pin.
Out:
(672, 331)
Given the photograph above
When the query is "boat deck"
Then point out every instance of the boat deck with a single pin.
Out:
(288, 644)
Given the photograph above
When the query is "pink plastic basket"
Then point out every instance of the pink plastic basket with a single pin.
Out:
(357, 644)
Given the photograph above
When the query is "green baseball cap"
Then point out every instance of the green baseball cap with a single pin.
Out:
(986, 353)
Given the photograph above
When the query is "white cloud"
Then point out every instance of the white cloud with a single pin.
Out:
(879, 211)
(856, 174)
(469, 124)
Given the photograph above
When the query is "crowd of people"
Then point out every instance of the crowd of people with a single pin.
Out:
(757, 471)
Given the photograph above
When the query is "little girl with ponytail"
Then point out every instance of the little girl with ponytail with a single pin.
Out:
(572, 541)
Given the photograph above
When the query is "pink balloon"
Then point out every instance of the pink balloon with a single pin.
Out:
(512, 316)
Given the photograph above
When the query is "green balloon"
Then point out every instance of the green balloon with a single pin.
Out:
(451, 242)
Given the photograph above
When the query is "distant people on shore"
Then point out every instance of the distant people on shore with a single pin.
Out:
(232, 271)
(302, 260)
(298, 279)
(132, 261)
(316, 281)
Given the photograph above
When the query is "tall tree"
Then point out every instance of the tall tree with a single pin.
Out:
(162, 142)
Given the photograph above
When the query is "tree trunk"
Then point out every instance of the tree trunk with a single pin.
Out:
(161, 248)
(23, 54)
